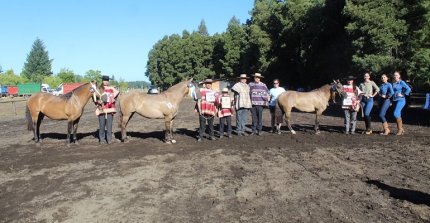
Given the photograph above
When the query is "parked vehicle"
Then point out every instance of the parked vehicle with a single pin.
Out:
(65, 88)
(3, 90)
(27, 89)
(153, 90)
(12, 91)
(46, 88)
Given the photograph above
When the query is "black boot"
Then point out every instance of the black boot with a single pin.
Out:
(368, 125)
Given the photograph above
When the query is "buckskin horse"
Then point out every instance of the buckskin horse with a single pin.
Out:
(313, 101)
(154, 106)
(66, 107)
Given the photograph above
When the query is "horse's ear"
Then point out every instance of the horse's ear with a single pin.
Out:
(191, 79)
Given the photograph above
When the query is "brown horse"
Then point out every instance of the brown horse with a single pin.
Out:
(159, 106)
(313, 101)
(66, 107)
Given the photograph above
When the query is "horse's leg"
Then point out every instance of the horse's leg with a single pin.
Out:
(75, 130)
(40, 117)
(171, 132)
(167, 136)
(287, 120)
(69, 131)
(124, 122)
(317, 124)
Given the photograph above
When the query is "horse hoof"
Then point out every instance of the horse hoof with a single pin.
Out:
(169, 142)
(76, 143)
(173, 141)
(317, 132)
(37, 144)
(68, 145)
(293, 132)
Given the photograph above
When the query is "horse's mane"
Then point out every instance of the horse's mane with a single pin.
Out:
(322, 88)
(69, 95)
(176, 86)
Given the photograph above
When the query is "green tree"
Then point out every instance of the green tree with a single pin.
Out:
(66, 76)
(10, 78)
(202, 29)
(93, 75)
(38, 64)
(417, 42)
(229, 50)
(53, 81)
(376, 37)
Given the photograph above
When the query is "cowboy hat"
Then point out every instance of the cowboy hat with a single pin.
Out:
(243, 76)
(258, 75)
(105, 78)
(350, 77)
(208, 80)
(224, 90)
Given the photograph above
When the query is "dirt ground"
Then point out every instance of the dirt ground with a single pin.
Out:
(329, 177)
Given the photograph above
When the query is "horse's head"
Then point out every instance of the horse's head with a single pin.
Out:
(93, 90)
(336, 88)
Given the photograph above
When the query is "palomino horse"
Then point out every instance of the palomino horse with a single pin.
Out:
(160, 106)
(314, 101)
(67, 107)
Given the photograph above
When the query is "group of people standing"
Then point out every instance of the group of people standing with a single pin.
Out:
(253, 97)
(363, 95)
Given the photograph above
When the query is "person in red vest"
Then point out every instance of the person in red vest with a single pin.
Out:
(350, 104)
(206, 109)
(105, 110)
(224, 104)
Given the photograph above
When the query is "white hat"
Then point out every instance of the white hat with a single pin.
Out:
(258, 75)
(224, 90)
(243, 76)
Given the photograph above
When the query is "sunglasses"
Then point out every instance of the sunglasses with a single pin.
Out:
(275, 83)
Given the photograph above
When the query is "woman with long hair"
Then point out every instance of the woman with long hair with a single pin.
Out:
(401, 89)
(369, 89)
(385, 93)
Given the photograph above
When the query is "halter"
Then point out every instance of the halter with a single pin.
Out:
(94, 90)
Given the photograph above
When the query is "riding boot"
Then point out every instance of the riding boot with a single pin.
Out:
(365, 124)
(368, 125)
(386, 129)
(400, 130)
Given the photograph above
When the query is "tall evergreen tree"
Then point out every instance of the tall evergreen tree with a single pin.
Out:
(377, 31)
(38, 64)
(202, 29)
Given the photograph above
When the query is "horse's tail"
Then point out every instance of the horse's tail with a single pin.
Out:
(118, 105)
(29, 120)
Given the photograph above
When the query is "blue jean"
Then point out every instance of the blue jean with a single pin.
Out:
(350, 120)
(367, 105)
(241, 119)
(202, 129)
(105, 127)
(222, 122)
(257, 118)
(385, 104)
(398, 108)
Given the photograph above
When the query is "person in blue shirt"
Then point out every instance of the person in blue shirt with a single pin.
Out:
(276, 119)
(400, 89)
(385, 93)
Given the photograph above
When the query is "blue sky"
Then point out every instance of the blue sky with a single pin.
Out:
(111, 36)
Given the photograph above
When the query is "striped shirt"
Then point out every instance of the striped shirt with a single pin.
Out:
(259, 93)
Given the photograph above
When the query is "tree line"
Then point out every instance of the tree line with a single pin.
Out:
(303, 43)
(38, 69)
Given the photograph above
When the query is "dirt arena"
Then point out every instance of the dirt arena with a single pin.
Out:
(330, 177)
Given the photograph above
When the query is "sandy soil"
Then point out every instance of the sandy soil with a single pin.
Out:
(330, 177)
